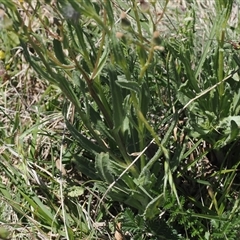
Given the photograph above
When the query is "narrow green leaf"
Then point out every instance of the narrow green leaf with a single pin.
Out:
(150, 163)
(104, 167)
(117, 98)
(84, 142)
(118, 53)
(110, 12)
(207, 47)
(137, 200)
(41, 210)
(4, 191)
(130, 85)
(39, 68)
(102, 62)
(234, 130)
(153, 208)
(145, 98)
(236, 59)
(85, 166)
(82, 45)
(57, 47)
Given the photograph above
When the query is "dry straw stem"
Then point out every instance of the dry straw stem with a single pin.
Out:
(61, 178)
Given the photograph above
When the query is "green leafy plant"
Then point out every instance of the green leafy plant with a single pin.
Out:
(142, 229)
(145, 114)
(213, 114)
